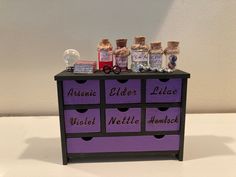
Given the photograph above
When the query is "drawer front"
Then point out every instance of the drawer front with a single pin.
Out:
(123, 91)
(81, 92)
(123, 120)
(162, 119)
(163, 90)
(82, 120)
(123, 144)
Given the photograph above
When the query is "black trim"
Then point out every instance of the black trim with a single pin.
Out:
(182, 119)
(65, 75)
(62, 123)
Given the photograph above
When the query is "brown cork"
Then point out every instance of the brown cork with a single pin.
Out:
(139, 40)
(155, 46)
(121, 43)
(172, 44)
(104, 44)
(105, 41)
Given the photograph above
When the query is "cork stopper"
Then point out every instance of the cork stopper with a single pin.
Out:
(156, 46)
(139, 40)
(172, 44)
(105, 41)
(121, 43)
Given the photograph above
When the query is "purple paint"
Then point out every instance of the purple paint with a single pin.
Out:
(123, 144)
(127, 121)
(159, 91)
(81, 93)
(77, 122)
(127, 92)
(157, 120)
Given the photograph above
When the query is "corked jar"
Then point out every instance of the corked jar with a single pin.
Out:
(139, 54)
(105, 57)
(155, 56)
(121, 54)
(171, 52)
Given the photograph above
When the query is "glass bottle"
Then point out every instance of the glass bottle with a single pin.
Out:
(171, 52)
(105, 57)
(139, 54)
(121, 54)
(155, 56)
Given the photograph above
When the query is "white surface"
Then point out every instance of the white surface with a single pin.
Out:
(30, 146)
(34, 35)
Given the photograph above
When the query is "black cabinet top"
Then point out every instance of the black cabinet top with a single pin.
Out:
(65, 75)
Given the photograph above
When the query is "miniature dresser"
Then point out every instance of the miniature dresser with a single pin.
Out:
(124, 114)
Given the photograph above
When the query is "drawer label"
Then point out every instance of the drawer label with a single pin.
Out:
(82, 122)
(122, 92)
(167, 120)
(87, 92)
(123, 120)
(163, 91)
(73, 92)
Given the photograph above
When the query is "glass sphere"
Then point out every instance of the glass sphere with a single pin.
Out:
(70, 57)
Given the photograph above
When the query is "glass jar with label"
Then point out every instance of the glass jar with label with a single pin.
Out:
(171, 52)
(105, 57)
(155, 56)
(121, 54)
(139, 54)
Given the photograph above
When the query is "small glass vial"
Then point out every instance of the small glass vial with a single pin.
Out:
(155, 56)
(171, 52)
(121, 54)
(105, 57)
(139, 54)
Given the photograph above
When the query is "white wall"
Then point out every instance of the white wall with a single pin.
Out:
(34, 34)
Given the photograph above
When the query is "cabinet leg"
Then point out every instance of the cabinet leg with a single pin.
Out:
(179, 156)
(64, 161)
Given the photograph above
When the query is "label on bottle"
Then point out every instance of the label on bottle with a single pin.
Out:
(105, 55)
(122, 61)
(139, 56)
(155, 60)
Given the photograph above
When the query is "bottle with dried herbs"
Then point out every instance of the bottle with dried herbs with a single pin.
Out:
(121, 54)
(155, 56)
(171, 52)
(105, 57)
(139, 54)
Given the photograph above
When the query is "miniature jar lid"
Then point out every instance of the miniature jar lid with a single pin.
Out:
(121, 42)
(172, 44)
(155, 46)
(105, 41)
(104, 44)
(139, 40)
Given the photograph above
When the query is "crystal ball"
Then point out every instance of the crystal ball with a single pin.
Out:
(70, 57)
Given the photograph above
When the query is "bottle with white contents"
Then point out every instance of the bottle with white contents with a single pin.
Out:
(139, 54)
(155, 56)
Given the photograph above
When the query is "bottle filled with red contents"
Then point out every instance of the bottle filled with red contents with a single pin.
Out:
(105, 57)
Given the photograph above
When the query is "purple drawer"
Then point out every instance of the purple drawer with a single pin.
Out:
(82, 120)
(123, 144)
(123, 91)
(163, 90)
(123, 120)
(162, 119)
(81, 92)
